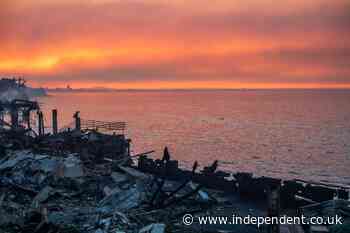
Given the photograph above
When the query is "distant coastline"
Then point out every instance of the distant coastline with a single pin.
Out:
(35, 92)
(70, 90)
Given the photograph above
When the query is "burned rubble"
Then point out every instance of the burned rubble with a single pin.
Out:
(279, 197)
(48, 193)
(80, 180)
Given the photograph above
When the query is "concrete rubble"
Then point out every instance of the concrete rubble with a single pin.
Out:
(46, 193)
(153, 228)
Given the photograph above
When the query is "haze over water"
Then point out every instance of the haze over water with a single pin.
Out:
(282, 133)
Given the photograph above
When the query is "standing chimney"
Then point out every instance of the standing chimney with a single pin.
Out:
(41, 123)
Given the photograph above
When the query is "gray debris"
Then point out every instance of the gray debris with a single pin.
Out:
(119, 177)
(14, 160)
(126, 199)
(201, 194)
(70, 193)
(42, 196)
(134, 173)
(99, 231)
(153, 228)
(72, 167)
(48, 165)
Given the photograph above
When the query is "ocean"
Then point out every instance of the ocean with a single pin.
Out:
(280, 133)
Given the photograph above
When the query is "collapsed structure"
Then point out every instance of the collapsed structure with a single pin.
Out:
(11, 83)
(76, 179)
(15, 114)
(16, 88)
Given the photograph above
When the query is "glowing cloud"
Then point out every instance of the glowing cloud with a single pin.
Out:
(174, 44)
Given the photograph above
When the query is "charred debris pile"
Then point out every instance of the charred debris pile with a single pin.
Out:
(79, 179)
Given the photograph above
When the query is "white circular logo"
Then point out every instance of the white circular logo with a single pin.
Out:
(187, 219)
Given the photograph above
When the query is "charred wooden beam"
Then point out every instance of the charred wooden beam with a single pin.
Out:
(54, 122)
(76, 116)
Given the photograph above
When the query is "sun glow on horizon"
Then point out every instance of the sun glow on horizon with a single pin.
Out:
(170, 45)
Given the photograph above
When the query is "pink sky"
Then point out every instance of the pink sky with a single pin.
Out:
(174, 44)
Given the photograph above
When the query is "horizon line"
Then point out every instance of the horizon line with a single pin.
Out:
(101, 89)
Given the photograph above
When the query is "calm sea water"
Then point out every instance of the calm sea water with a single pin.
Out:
(290, 134)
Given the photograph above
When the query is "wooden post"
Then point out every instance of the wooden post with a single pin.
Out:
(54, 122)
(77, 121)
(14, 118)
(41, 123)
(27, 118)
(274, 208)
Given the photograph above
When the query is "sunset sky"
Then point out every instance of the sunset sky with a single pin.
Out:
(177, 43)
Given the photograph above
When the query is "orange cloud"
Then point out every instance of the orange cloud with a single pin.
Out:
(177, 43)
